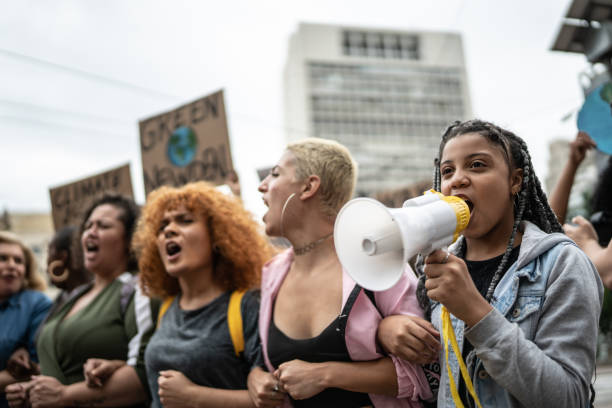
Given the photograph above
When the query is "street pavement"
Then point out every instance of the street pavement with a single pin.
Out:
(603, 387)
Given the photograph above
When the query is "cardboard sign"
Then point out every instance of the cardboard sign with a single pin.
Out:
(70, 200)
(187, 144)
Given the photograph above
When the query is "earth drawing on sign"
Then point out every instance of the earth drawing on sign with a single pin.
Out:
(182, 146)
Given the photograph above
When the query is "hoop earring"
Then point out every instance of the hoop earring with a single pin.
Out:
(515, 201)
(54, 277)
(283, 214)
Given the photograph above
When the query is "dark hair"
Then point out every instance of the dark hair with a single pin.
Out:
(64, 240)
(67, 240)
(128, 217)
(530, 204)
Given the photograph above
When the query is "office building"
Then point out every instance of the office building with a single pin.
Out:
(385, 94)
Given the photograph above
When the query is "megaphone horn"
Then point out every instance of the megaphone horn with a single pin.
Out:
(374, 242)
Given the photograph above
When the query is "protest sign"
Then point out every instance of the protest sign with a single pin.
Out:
(70, 200)
(186, 144)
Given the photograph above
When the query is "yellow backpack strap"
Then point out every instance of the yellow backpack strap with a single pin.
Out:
(164, 308)
(234, 321)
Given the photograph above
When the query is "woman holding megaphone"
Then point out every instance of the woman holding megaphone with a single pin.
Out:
(514, 299)
(318, 328)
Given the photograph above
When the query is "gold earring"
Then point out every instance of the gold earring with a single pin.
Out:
(54, 277)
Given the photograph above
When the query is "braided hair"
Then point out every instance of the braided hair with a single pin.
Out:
(530, 203)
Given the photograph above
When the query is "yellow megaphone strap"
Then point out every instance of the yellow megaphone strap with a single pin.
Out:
(449, 333)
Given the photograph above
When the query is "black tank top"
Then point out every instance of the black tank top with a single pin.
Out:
(327, 346)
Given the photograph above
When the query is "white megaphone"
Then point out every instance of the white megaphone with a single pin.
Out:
(374, 242)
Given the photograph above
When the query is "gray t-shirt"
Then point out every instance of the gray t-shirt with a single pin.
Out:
(198, 344)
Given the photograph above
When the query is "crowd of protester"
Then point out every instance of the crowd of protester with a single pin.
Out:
(187, 302)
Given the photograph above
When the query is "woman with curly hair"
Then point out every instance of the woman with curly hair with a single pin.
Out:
(200, 246)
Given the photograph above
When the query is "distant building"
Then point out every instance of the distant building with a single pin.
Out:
(385, 94)
(5, 221)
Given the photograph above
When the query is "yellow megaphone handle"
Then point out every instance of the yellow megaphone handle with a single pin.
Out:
(449, 333)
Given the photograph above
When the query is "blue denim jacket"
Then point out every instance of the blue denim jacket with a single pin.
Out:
(537, 347)
(20, 316)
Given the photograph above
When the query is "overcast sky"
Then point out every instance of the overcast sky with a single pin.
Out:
(58, 124)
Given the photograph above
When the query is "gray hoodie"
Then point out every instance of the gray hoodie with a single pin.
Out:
(537, 347)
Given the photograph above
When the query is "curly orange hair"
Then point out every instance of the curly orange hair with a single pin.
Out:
(240, 249)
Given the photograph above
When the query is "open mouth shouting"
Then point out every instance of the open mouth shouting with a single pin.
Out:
(173, 250)
(91, 249)
(263, 218)
(469, 202)
(470, 205)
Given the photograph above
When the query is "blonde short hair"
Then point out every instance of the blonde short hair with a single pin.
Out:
(334, 165)
(33, 280)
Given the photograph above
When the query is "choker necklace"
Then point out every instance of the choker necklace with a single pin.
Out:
(309, 247)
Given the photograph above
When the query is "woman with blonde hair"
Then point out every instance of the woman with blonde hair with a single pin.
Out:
(23, 306)
(199, 249)
(318, 328)
(66, 272)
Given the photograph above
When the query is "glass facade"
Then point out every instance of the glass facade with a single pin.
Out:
(380, 45)
(390, 116)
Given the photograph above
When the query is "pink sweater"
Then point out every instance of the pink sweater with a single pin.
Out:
(361, 327)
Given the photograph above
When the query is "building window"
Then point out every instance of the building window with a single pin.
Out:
(380, 45)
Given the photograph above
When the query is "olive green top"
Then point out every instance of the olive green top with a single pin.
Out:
(102, 329)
